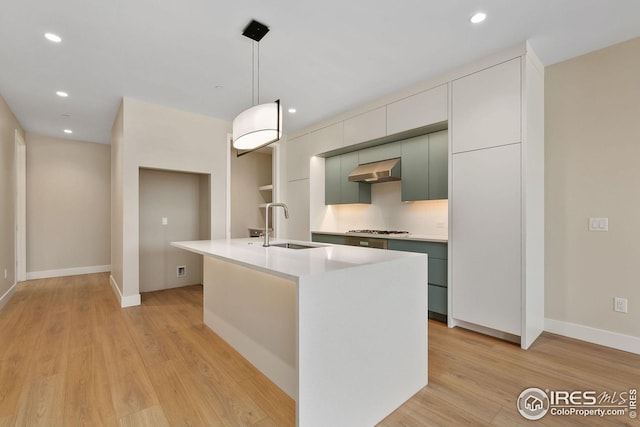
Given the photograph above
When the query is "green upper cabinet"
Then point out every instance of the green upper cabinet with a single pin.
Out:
(425, 167)
(332, 180)
(415, 168)
(378, 153)
(438, 165)
(337, 188)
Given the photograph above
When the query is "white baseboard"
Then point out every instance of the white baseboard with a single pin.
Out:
(125, 301)
(593, 335)
(7, 295)
(45, 274)
(484, 330)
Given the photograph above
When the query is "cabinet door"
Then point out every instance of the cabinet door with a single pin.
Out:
(327, 238)
(352, 192)
(486, 108)
(433, 249)
(438, 165)
(486, 238)
(366, 127)
(438, 271)
(332, 179)
(422, 109)
(415, 168)
(437, 301)
(380, 152)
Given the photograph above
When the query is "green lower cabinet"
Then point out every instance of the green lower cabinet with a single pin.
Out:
(433, 249)
(437, 279)
(437, 271)
(438, 299)
(438, 276)
(327, 238)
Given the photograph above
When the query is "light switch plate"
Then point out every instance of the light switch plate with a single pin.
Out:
(598, 224)
(165, 220)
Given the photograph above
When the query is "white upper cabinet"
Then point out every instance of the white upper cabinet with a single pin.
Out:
(299, 151)
(366, 127)
(486, 108)
(422, 109)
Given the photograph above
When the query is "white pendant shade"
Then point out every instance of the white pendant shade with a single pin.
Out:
(257, 126)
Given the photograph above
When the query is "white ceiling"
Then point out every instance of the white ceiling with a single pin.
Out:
(322, 57)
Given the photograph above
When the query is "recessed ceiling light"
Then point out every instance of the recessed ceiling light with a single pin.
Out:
(478, 18)
(68, 131)
(53, 37)
(292, 110)
(62, 94)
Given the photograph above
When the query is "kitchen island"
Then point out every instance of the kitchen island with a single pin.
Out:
(342, 330)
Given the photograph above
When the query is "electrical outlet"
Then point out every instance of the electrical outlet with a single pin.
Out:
(620, 305)
(181, 271)
(598, 224)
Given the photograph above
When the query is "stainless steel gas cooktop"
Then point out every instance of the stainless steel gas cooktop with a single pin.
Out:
(377, 232)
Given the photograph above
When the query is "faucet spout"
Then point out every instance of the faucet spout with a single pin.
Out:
(266, 221)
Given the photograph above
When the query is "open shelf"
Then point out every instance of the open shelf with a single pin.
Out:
(266, 187)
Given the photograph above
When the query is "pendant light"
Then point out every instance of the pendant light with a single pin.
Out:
(260, 125)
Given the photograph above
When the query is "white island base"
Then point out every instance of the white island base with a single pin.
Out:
(343, 332)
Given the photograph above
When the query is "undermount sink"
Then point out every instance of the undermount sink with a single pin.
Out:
(293, 246)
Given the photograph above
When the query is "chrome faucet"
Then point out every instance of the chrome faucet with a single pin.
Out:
(266, 221)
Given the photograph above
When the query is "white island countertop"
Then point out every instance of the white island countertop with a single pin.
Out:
(290, 263)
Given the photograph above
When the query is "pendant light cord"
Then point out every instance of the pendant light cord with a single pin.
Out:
(255, 81)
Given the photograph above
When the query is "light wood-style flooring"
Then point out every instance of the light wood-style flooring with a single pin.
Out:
(70, 356)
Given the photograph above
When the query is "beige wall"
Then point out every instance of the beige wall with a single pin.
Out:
(151, 136)
(249, 172)
(177, 197)
(8, 126)
(593, 170)
(68, 204)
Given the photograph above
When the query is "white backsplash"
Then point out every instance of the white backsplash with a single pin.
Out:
(388, 212)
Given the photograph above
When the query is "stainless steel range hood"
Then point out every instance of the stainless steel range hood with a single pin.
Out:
(386, 170)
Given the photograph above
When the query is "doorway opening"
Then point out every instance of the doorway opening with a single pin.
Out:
(173, 206)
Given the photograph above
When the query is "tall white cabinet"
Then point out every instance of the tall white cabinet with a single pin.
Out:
(497, 199)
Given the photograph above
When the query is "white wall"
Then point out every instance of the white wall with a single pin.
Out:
(8, 125)
(388, 212)
(68, 206)
(592, 157)
(158, 137)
